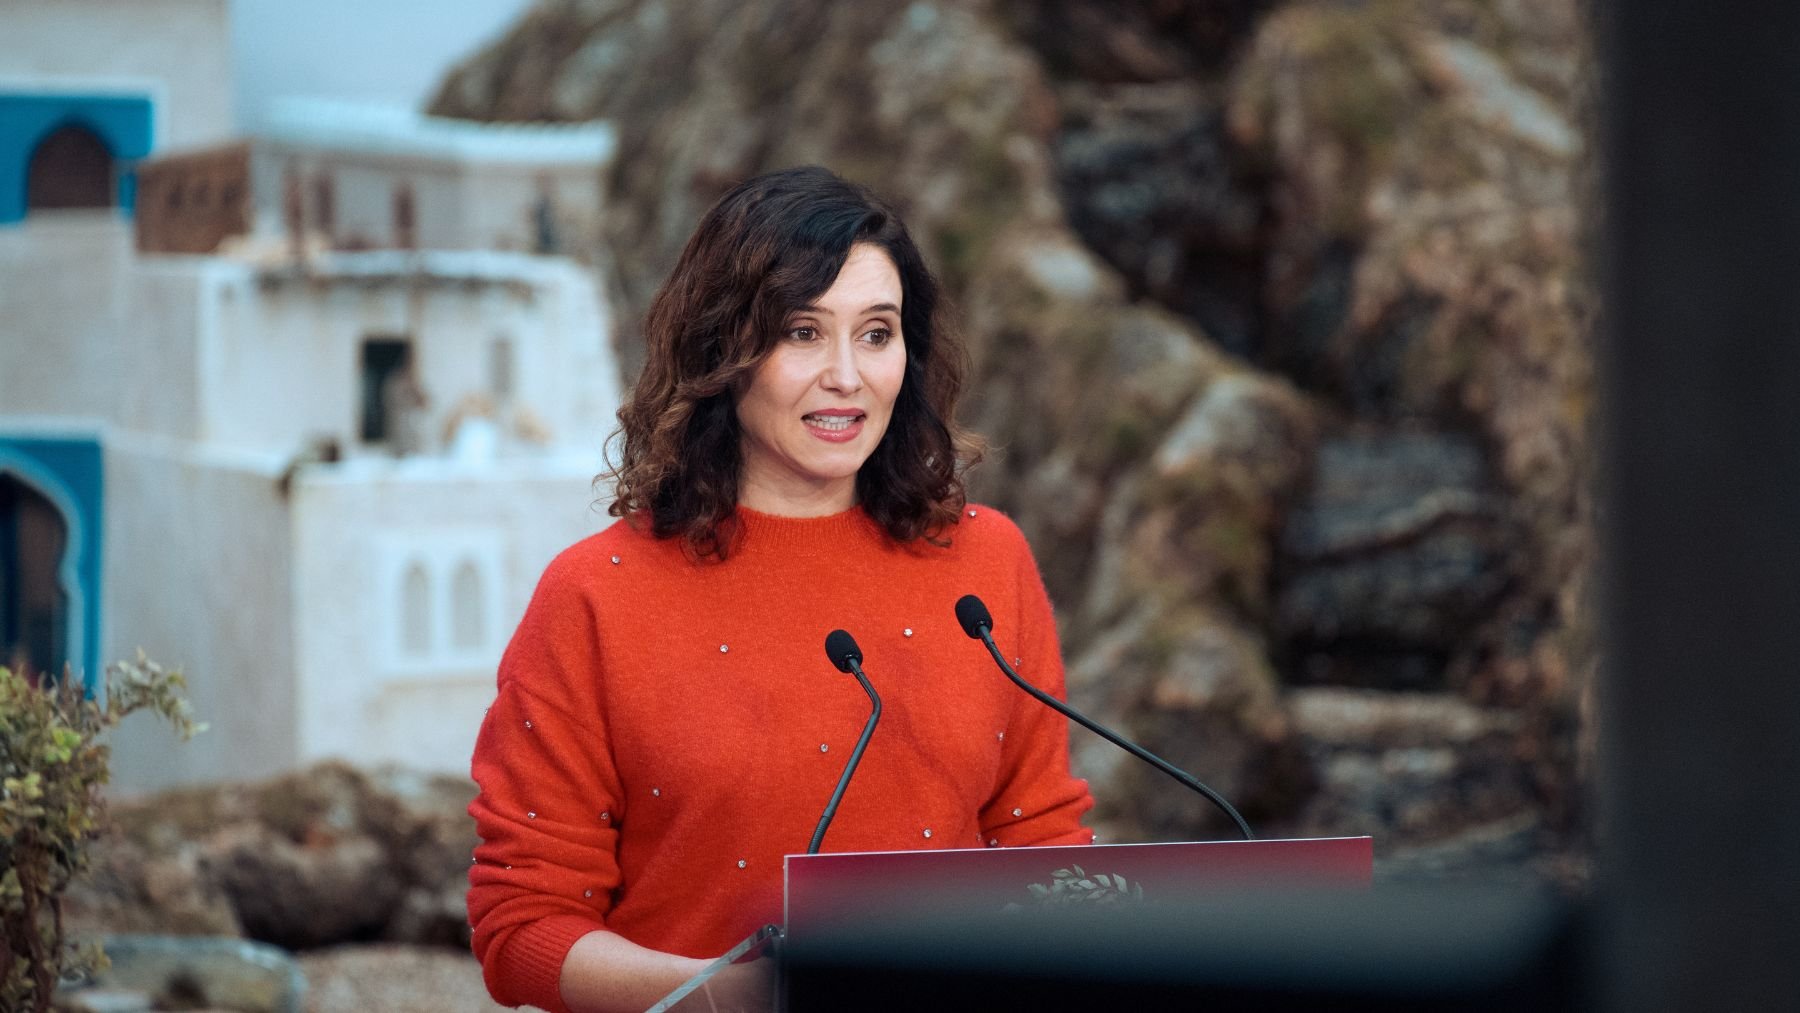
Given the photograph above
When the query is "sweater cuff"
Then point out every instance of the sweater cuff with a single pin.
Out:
(535, 956)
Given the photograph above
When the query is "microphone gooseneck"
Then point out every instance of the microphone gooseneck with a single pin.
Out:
(976, 621)
(841, 648)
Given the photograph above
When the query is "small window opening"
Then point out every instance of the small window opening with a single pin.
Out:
(386, 372)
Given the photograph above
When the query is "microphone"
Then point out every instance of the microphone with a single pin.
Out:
(979, 625)
(841, 648)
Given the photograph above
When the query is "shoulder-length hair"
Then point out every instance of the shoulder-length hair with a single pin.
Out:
(767, 248)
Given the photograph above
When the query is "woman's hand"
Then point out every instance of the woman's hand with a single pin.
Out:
(748, 987)
(607, 973)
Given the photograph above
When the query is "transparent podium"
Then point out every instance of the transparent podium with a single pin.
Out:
(857, 923)
(757, 990)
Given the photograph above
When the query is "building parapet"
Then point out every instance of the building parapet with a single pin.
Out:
(321, 124)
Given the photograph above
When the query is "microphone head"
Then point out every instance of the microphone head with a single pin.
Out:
(841, 648)
(973, 616)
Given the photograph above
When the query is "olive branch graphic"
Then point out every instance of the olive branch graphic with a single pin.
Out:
(1074, 886)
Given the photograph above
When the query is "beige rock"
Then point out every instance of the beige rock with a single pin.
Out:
(1378, 203)
(324, 856)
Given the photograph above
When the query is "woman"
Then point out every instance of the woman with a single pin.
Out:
(668, 725)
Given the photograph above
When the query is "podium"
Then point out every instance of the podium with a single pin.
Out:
(948, 928)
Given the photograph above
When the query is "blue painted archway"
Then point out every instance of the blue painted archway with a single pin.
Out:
(68, 470)
(122, 122)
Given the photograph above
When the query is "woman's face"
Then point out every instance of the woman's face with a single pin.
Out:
(820, 403)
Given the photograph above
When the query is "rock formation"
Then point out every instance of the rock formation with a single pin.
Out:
(1279, 323)
(324, 856)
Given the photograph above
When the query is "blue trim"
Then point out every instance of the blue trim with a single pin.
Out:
(70, 472)
(123, 124)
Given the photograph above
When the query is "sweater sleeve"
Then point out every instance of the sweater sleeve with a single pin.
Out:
(548, 802)
(1037, 800)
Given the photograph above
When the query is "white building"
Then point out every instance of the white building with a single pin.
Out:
(321, 480)
(385, 176)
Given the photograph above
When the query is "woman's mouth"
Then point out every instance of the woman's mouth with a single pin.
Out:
(834, 426)
(838, 422)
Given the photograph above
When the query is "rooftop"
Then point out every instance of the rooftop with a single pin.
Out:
(382, 128)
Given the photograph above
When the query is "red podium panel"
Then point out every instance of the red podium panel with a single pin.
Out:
(833, 888)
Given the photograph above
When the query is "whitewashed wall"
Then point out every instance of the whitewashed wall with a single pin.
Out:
(292, 615)
(389, 675)
(282, 362)
(63, 303)
(460, 203)
(172, 302)
(500, 201)
(198, 573)
(176, 51)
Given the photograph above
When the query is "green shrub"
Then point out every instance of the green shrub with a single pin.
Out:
(53, 764)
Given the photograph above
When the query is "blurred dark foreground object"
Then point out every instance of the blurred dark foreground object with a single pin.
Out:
(1393, 948)
(1700, 707)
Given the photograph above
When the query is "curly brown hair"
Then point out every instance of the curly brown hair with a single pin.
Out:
(771, 245)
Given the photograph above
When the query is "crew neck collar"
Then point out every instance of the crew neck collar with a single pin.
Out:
(758, 527)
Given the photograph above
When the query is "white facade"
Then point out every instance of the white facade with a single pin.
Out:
(358, 616)
(413, 575)
(64, 284)
(199, 575)
(353, 609)
(349, 602)
(274, 349)
(519, 187)
(175, 51)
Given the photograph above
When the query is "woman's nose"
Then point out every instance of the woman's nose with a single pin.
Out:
(841, 372)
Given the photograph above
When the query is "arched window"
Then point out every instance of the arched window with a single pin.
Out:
(34, 606)
(466, 632)
(415, 612)
(71, 168)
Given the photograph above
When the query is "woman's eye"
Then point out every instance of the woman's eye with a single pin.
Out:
(879, 336)
(802, 333)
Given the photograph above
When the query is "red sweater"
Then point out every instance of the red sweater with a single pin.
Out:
(667, 730)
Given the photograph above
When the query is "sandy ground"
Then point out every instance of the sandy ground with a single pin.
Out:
(387, 978)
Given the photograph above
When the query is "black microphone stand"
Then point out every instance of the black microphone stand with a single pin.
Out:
(845, 655)
(987, 637)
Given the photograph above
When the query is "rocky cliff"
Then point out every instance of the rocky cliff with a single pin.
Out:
(1279, 321)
